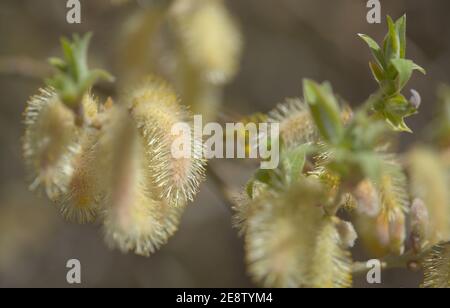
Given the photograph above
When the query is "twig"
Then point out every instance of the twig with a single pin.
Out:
(24, 67)
(223, 189)
(34, 69)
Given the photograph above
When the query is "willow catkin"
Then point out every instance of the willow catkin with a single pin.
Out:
(290, 243)
(135, 218)
(437, 267)
(50, 142)
(80, 201)
(209, 38)
(381, 211)
(296, 124)
(156, 110)
(429, 182)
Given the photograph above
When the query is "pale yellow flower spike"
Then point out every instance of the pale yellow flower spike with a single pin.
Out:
(80, 204)
(331, 266)
(209, 38)
(290, 243)
(296, 124)
(429, 183)
(156, 110)
(437, 267)
(50, 142)
(395, 202)
(381, 210)
(135, 218)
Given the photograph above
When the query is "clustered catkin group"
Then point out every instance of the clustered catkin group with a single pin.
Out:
(116, 166)
(339, 179)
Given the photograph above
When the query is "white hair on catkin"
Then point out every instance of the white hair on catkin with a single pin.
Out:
(156, 109)
(209, 37)
(49, 143)
(135, 218)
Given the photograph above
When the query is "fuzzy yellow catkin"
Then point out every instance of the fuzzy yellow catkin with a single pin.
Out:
(242, 205)
(419, 225)
(155, 108)
(290, 243)
(135, 218)
(80, 201)
(380, 215)
(429, 182)
(49, 143)
(141, 45)
(209, 38)
(437, 267)
(296, 124)
(331, 265)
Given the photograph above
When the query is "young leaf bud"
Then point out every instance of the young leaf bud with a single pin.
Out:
(420, 221)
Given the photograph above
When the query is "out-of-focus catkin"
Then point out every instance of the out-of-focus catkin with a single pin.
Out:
(381, 211)
(291, 243)
(50, 142)
(296, 124)
(135, 218)
(429, 183)
(209, 38)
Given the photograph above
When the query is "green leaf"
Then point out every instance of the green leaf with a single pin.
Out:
(294, 162)
(369, 163)
(393, 77)
(377, 72)
(324, 109)
(400, 26)
(419, 68)
(404, 69)
(392, 42)
(375, 49)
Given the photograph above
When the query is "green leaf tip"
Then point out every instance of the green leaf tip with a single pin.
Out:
(73, 78)
(324, 109)
(392, 71)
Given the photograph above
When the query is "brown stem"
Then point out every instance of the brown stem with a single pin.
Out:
(24, 67)
(224, 191)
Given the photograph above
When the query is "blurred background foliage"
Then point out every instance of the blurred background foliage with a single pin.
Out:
(284, 41)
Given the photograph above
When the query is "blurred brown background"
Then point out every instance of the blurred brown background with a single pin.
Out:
(285, 41)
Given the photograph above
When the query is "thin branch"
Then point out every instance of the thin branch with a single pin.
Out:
(24, 67)
(223, 189)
